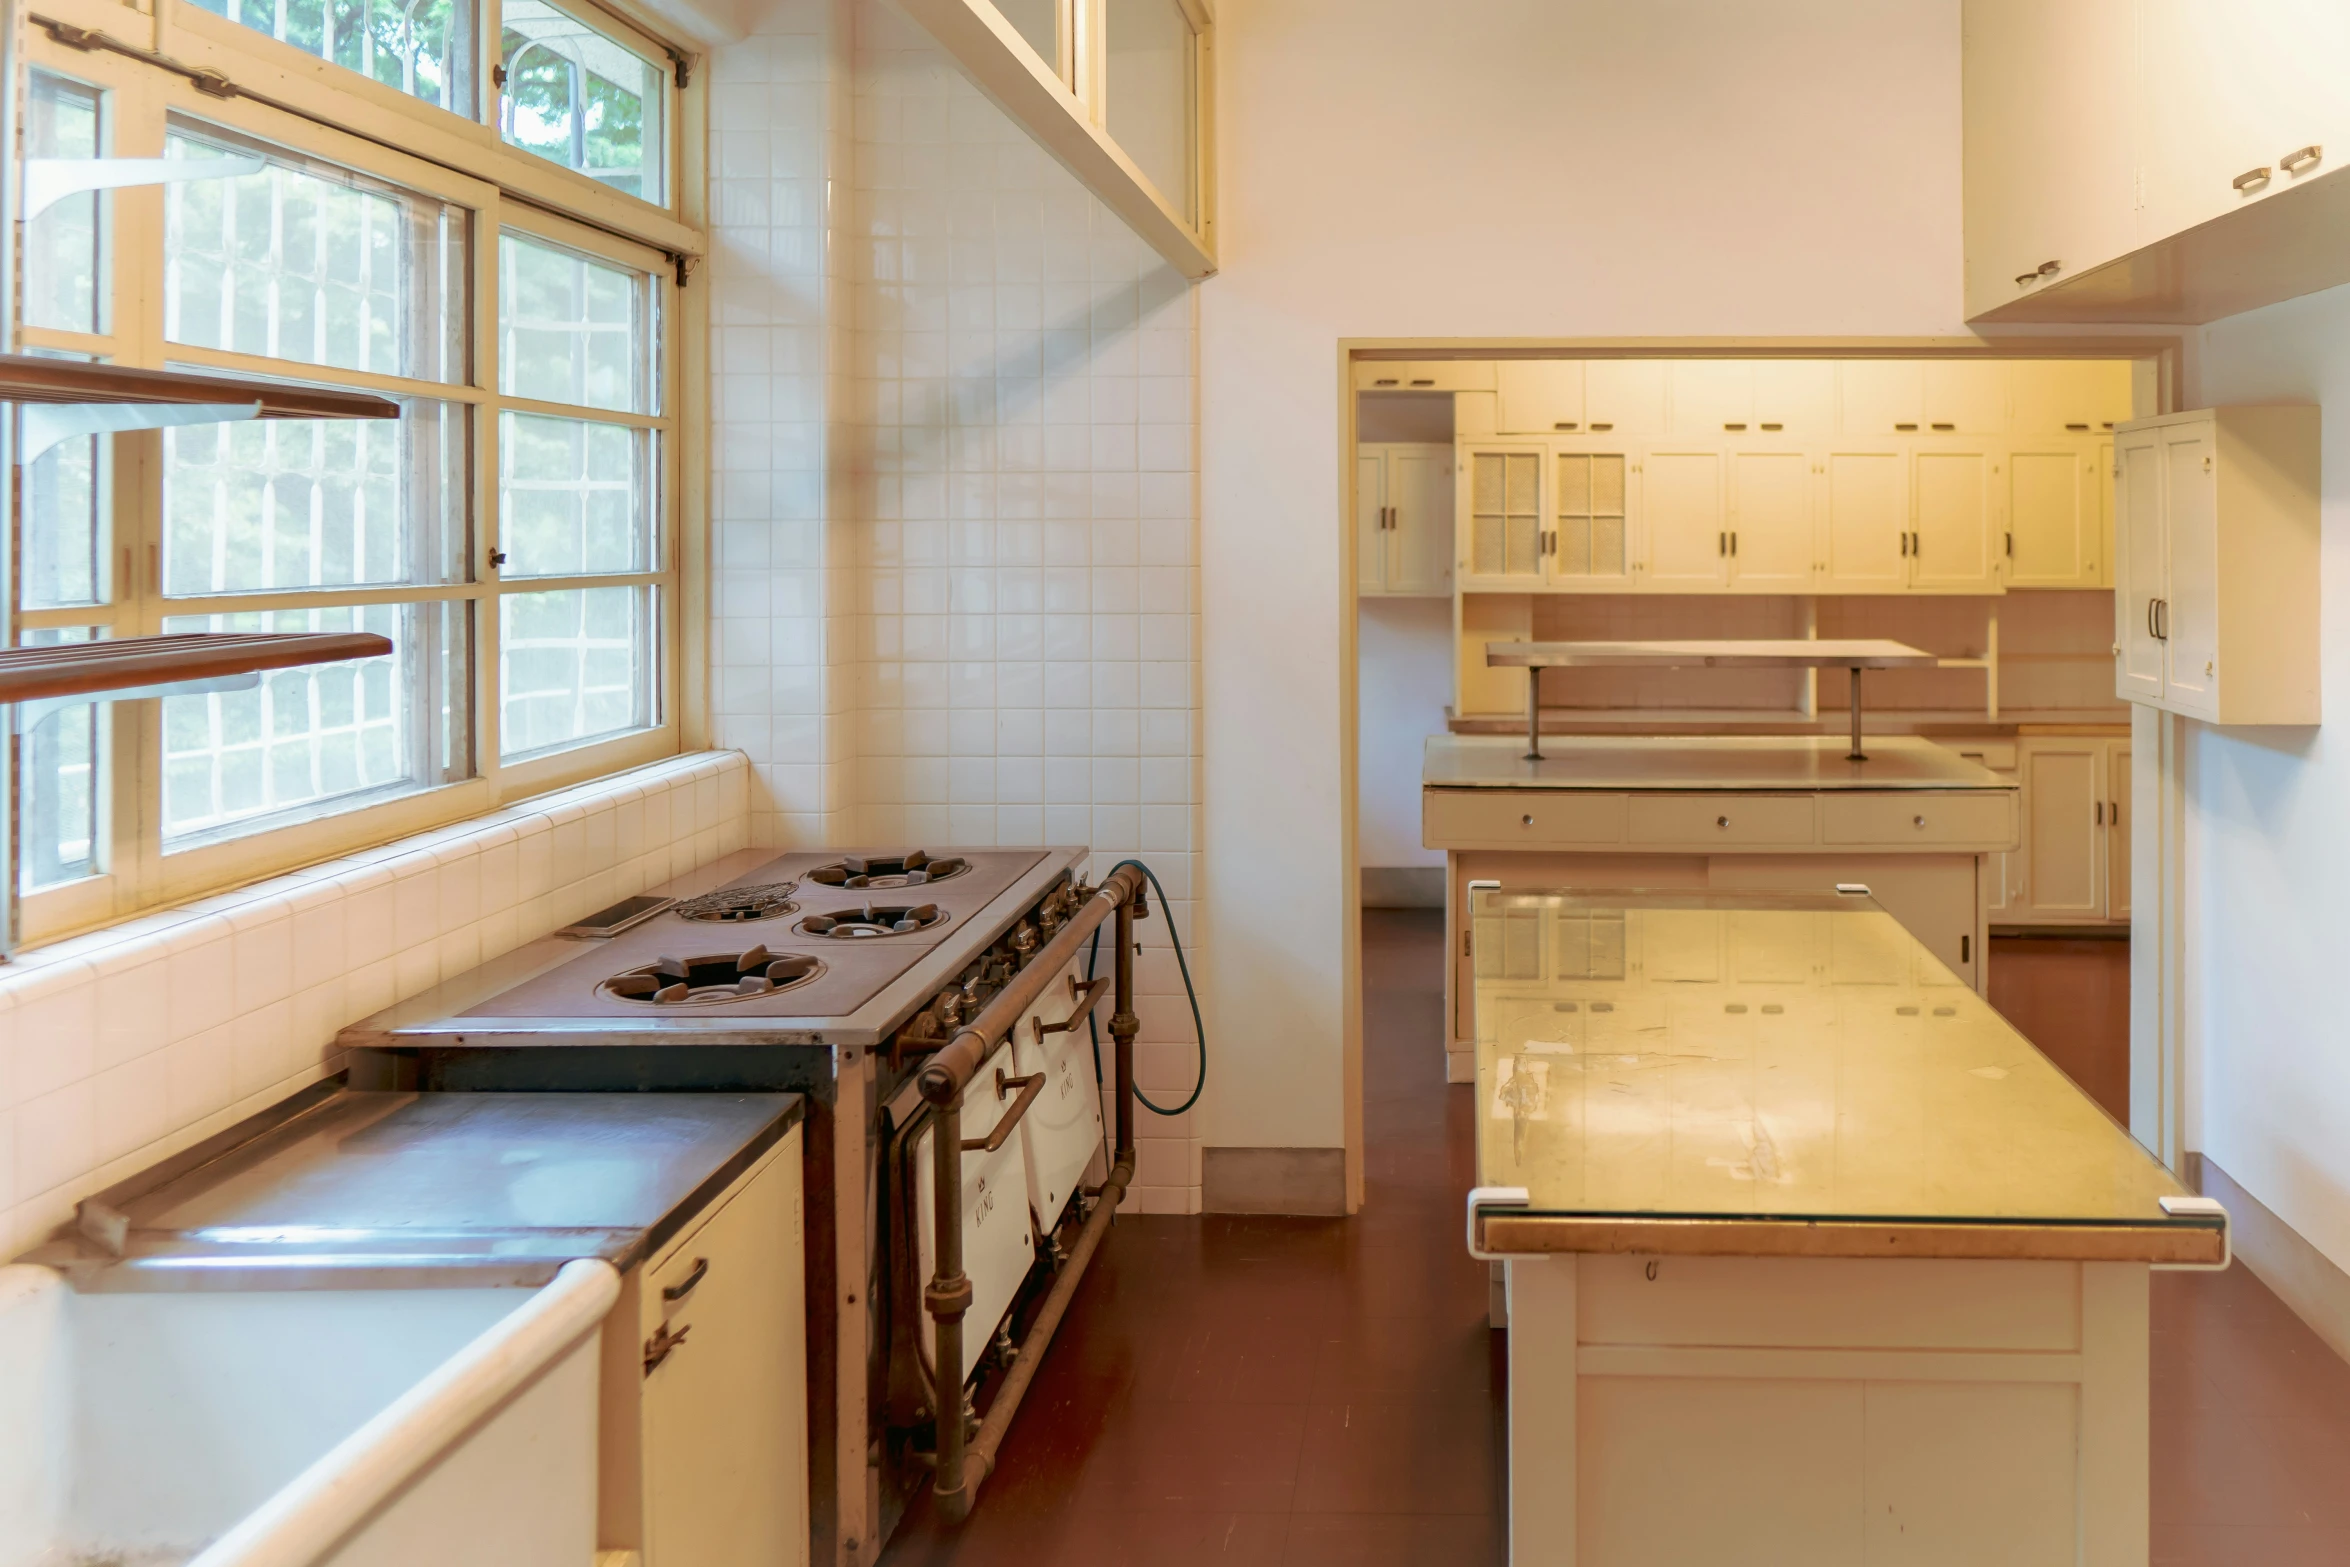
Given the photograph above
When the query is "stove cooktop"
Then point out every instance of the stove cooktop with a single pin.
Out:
(819, 946)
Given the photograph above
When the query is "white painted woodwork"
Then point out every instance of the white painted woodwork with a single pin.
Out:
(1964, 396)
(1623, 395)
(1403, 519)
(1865, 511)
(1538, 396)
(1794, 397)
(2064, 851)
(1501, 527)
(2217, 564)
(1951, 521)
(2067, 397)
(1684, 525)
(2117, 830)
(1999, 870)
(2121, 156)
(1424, 375)
(992, 55)
(2057, 515)
(1772, 549)
(1709, 398)
(1590, 535)
(1916, 1411)
(704, 1457)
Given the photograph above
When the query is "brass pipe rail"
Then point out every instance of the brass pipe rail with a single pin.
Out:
(965, 1458)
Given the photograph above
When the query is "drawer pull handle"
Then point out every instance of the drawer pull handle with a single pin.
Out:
(1525, 821)
(1917, 821)
(1721, 821)
(2250, 178)
(663, 1342)
(2301, 158)
(685, 1286)
(1029, 1087)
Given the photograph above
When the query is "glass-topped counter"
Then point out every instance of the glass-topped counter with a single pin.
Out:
(1772, 1074)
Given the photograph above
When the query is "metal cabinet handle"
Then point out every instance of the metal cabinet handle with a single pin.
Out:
(1721, 821)
(1084, 998)
(2250, 178)
(659, 1347)
(2011, 546)
(685, 1286)
(1945, 426)
(1729, 426)
(2044, 269)
(2100, 813)
(1721, 544)
(1029, 1086)
(1918, 822)
(2300, 158)
(1733, 543)
(1526, 821)
(2113, 815)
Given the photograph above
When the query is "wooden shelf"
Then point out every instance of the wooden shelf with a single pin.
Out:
(33, 378)
(29, 674)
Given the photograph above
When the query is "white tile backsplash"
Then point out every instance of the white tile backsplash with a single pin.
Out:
(120, 1047)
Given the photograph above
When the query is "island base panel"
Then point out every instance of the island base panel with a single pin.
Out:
(1827, 1411)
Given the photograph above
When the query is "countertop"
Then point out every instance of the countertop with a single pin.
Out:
(1684, 763)
(1782, 1074)
(351, 1188)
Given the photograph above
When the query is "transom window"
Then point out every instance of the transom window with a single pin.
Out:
(513, 532)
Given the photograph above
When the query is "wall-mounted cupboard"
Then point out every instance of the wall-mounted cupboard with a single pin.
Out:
(1767, 476)
(2153, 160)
(2216, 564)
(1403, 519)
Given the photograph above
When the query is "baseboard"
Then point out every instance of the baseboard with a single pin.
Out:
(1403, 887)
(1273, 1180)
(2303, 1277)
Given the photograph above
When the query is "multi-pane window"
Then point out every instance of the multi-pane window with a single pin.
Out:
(510, 532)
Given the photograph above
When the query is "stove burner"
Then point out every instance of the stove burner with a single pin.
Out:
(736, 905)
(874, 919)
(914, 868)
(707, 981)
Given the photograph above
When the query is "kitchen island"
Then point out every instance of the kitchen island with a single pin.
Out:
(1809, 1257)
(1914, 822)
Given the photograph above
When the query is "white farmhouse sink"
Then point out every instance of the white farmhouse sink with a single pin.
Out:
(280, 1428)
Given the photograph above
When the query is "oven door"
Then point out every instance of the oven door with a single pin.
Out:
(998, 1245)
(1064, 1128)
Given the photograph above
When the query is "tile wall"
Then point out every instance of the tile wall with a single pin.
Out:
(119, 1048)
(957, 517)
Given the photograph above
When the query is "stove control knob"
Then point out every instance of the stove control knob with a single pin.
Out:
(1024, 939)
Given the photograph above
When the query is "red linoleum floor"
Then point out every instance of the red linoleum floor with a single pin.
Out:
(1262, 1391)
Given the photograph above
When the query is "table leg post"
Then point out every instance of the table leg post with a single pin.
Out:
(1533, 714)
(1856, 754)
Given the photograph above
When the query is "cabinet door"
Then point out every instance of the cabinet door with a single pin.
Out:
(1867, 512)
(724, 1413)
(1370, 520)
(2054, 398)
(1965, 397)
(2138, 564)
(1688, 540)
(1419, 520)
(1878, 397)
(1537, 396)
(2104, 534)
(2054, 518)
(1950, 538)
(1795, 397)
(2049, 93)
(2117, 830)
(1502, 517)
(1771, 545)
(2189, 621)
(1589, 542)
(1624, 395)
(2064, 845)
(1710, 397)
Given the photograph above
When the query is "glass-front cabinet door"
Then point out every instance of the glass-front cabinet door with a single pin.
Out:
(1503, 532)
(1590, 534)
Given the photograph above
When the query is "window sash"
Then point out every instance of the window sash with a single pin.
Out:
(133, 869)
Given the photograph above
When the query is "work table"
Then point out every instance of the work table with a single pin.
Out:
(1683, 763)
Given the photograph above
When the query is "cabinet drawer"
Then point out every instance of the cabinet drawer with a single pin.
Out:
(1518, 818)
(1920, 818)
(1730, 819)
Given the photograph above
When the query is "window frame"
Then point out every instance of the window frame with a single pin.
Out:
(496, 188)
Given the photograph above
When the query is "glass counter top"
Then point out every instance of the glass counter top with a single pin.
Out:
(1743, 1072)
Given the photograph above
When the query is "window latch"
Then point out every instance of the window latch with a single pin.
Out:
(497, 559)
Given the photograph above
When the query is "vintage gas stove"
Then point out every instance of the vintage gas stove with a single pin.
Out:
(842, 975)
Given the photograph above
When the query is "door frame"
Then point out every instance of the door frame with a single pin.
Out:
(2160, 1056)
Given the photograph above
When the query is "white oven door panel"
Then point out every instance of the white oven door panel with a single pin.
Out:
(1064, 1127)
(998, 1247)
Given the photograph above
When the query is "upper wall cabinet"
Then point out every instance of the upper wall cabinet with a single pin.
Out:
(1403, 519)
(2216, 564)
(1424, 375)
(1710, 398)
(2153, 160)
(1573, 396)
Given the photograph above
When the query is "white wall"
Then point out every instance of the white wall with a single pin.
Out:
(1403, 662)
(1512, 168)
(2270, 840)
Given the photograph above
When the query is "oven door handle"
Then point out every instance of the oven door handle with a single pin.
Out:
(1029, 1086)
(1086, 997)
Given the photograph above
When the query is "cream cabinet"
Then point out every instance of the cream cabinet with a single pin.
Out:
(1750, 397)
(704, 1447)
(2074, 864)
(1864, 547)
(1432, 375)
(1538, 396)
(2059, 398)
(2059, 523)
(1403, 519)
(1543, 518)
(2216, 564)
(1922, 397)
(1684, 518)
(1950, 543)
(2096, 130)
(1626, 395)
